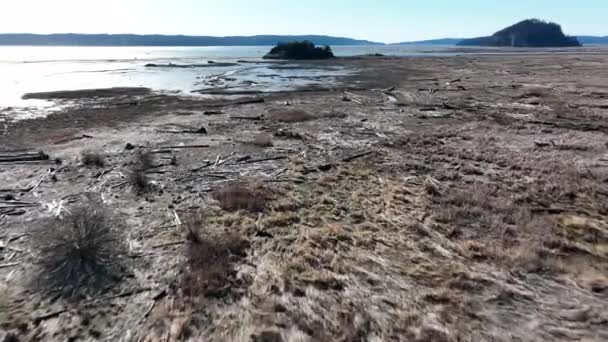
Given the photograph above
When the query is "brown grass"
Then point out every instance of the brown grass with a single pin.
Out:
(211, 257)
(90, 158)
(241, 195)
(138, 177)
(295, 115)
(144, 160)
(140, 182)
(262, 140)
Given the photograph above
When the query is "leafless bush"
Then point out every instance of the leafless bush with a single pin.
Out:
(79, 251)
(140, 181)
(138, 177)
(90, 158)
(144, 160)
(210, 256)
(236, 196)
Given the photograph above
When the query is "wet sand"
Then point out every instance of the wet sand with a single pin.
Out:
(423, 199)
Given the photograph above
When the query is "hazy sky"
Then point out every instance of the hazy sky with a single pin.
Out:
(379, 20)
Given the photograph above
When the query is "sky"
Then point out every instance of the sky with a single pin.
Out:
(386, 21)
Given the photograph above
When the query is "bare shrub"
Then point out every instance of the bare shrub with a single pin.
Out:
(79, 251)
(210, 255)
(295, 115)
(236, 196)
(90, 158)
(144, 160)
(138, 177)
(140, 181)
(262, 140)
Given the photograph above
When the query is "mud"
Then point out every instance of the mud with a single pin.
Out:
(447, 199)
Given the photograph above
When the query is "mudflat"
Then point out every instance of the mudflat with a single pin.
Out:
(425, 199)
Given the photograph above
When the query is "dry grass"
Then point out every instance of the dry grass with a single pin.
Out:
(137, 176)
(210, 256)
(291, 116)
(262, 140)
(82, 250)
(140, 181)
(4, 304)
(241, 195)
(90, 158)
(144, 160)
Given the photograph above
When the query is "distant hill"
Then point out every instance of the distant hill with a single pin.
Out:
(443, 41)
(593, 40)
(71, 39)
(528, 33)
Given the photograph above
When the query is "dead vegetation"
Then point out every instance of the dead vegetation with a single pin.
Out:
(138, 177)
(90, 158)
(211, 256)
(290, 116)
(487, 223)
(81, 251)
(262, 140)
(242, 195)
(208, 276)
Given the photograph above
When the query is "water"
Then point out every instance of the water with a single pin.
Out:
(38, 69)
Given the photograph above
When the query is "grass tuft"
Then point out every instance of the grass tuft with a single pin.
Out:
(90, 158)
(262, 140)
(210, 256)
(236, 196)
(295, 115)
(138, 176)
(79, 251)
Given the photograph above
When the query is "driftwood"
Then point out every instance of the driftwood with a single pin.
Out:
(24, 157)
(201, 130)
(175, 243)
(237, 102)
(32, 187)
(165, 148)
(251, 161)
(254, 118)
(49, 315)
(357, 156)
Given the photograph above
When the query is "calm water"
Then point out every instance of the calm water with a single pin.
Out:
(37, 69)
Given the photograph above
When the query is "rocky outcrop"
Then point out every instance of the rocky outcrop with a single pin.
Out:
(299, 50)
(528, 33)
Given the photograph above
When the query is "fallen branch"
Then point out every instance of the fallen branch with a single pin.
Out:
(50, 315)
(251, 161)
(357, 156)
(175, 243)
(180, 147)
(253, 118)
(27, 156)
(155, 299)
(9, 265)
(237, 102)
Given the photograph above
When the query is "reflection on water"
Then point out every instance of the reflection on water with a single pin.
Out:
(39, 69)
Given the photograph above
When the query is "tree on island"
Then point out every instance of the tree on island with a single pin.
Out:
(299, 50)
(528, 33)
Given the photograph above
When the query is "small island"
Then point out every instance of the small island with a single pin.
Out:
(299, 50)
(528, 33)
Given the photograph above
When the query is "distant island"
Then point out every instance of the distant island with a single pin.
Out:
(299, 50)
(71, 39)
(528, 33)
